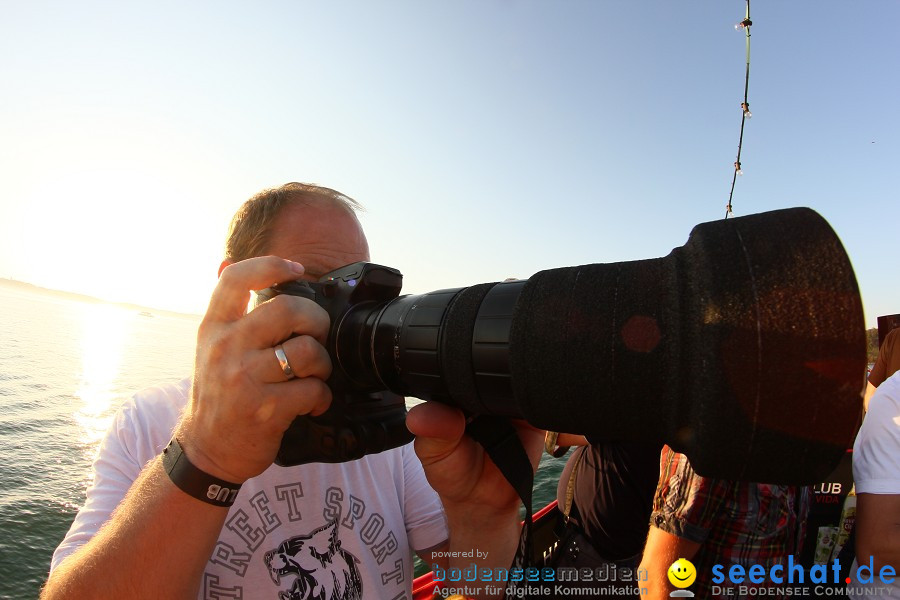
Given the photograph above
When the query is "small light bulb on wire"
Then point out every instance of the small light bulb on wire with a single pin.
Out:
(743, 24)
(737, 168)
(746, 107)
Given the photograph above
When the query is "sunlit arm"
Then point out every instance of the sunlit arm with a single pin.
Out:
(878, 529)
(661, 551)
(571, 439)
(155, 545)
(870, 390)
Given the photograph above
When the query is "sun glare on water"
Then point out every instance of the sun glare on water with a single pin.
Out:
(104, 331)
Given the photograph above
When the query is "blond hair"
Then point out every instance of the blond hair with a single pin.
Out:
(251, 226)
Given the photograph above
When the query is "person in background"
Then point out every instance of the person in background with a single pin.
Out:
(887, 363)
(185, 500)
(605, 493)
(876, 474)
(715, 521)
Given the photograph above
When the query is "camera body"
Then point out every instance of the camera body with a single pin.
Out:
(364, 417)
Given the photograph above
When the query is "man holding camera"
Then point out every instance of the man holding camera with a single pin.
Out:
(186, 501)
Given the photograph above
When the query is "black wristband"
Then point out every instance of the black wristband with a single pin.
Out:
(194, 482)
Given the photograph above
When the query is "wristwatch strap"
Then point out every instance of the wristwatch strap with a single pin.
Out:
(194, 482)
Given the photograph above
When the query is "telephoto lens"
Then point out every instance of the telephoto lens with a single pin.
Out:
(743, 349)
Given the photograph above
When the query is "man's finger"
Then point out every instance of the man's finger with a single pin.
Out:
(436, 420)
(301, 396)
(277, 319)
(305, 356)
(438, 429)
(232, 293)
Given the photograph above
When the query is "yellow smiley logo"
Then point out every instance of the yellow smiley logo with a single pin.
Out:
(682, 573)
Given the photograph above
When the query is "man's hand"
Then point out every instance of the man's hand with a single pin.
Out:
(241, 400)
(457, 466)
(482, 507)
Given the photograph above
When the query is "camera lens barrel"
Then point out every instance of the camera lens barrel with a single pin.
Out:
(405, 344)
(740, 348)
(450, 345)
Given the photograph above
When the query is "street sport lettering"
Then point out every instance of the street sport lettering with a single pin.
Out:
(255, 524)
(370, 528)
(252, 529)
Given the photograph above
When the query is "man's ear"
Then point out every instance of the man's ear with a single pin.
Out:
(224, 264)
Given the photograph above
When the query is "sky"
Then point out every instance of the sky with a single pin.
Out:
(486, 139)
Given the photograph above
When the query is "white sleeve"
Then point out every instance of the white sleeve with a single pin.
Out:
(876, 468)
(426, 524)
(139, 431)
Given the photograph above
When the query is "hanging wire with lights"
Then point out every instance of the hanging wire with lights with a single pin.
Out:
(745, 108)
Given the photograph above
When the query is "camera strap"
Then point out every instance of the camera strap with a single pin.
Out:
(499, 439)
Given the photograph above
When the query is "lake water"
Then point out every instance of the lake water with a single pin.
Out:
(65, 367)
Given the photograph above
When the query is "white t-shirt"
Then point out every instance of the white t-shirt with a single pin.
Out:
(876, 470)
(349, 528)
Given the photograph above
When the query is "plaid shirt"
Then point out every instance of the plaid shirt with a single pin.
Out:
(735, 522)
